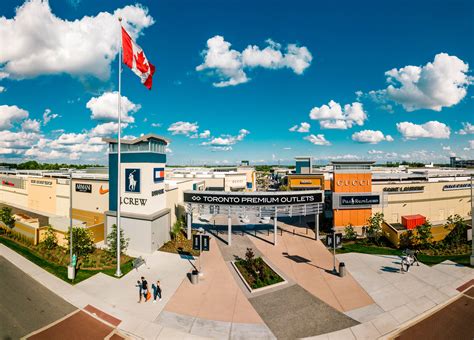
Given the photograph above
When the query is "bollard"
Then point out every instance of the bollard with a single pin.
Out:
(293, 231)
(342, 269)
(194, 277)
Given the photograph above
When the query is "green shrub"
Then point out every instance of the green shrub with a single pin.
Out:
(82, 243)
(112, 241)
(50, 241)
(423, 237)
(458, 234)
(6, 217)
(349, 233)
(374, 227)
(406, 239)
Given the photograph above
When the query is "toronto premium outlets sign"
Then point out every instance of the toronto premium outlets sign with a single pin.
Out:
(202, 197)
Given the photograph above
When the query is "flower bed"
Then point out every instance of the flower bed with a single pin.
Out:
(256, 272)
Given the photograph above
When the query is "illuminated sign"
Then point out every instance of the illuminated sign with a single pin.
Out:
(252, 199)
(449, 187)
(402, 190)
(352, 182)
(355, 200)
(132, 180)
(83, 187)
(41, 182)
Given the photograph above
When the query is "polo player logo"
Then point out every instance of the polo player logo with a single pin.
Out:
(132, 180)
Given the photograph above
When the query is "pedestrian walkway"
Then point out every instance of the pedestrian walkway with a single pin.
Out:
(308, 263)
(132, 325)
(215, 307)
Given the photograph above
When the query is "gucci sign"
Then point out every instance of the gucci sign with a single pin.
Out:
(352, 182)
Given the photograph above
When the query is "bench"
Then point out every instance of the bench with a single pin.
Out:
(138, 262)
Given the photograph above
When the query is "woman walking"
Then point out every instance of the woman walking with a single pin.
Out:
(156, 291)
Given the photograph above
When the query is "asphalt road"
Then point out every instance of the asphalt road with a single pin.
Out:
(25, 305)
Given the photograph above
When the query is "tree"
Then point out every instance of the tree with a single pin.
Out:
(82, 243)
(374, 227)
(50, 241)
(6, 217)
(458, 234)
(423, 236)
(349, 233)
(112, 241)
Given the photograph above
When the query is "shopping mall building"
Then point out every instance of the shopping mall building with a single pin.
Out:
(152, 196)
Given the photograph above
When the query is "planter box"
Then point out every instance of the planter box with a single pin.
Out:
(256, 290)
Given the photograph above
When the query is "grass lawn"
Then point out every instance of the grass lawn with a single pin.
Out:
(58, 270)
(426, 259)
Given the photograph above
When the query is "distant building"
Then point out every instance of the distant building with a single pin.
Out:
(461, 163)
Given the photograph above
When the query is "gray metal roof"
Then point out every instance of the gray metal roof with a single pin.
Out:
(143, 138)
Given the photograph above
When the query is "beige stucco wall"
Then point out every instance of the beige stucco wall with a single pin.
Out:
(42, 194)
(434, 203)
(94, 201)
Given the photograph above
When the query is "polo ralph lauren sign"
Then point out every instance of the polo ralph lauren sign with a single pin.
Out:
(241, 198)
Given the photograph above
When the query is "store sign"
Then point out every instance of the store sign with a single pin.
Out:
(157, 192)
(158, 175)
(355, 200)
(83, 187)
(132, 180)
(7, 183)
(450, 187)
(241, 198)
(133, 201)
(42, 182)
(352, 182)
(404, 190)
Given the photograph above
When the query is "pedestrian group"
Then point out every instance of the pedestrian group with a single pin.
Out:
(144, 291)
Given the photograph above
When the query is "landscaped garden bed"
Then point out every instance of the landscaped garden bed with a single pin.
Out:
(255, 272)
(179, 243)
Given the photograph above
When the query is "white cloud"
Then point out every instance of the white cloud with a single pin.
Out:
(442, 83)
(471, 145)
(31, 125)
(156, 125)
(226, 140)
(221, 148)
(467, 129)
(38, 154)
(37, 42)
(371, 136)
(71, 138)
(205, 134)
(2, 89)
(106, 129)
(229, 65)
(287, 148)
(303, 127)
(10, 115)
(105, 107)
(432, 129)
(375, 152)
(333, 116)
(183, 128)
(317, 139)
(48, 116)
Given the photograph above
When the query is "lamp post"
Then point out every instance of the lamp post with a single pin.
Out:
(71, 270)
(472, 225)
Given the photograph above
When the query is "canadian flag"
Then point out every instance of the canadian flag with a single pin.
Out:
(134, 58)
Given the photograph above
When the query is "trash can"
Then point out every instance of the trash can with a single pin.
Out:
(342, 269)
(194, 277)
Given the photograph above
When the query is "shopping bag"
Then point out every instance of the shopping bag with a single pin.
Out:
(148, 295)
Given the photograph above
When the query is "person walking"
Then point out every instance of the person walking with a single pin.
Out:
(145, 289)
(139, 285)
(156, 291)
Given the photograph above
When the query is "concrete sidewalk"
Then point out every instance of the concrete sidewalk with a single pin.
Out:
(117, 297)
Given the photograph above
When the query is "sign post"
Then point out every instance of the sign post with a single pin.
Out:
(334, 240)
(201, 242)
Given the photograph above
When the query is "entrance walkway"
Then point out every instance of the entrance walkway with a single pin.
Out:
(307, 262)
(216, 307)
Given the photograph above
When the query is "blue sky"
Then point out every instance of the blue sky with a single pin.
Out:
(245, 71)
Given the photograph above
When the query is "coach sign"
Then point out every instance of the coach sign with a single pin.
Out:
(252, 199)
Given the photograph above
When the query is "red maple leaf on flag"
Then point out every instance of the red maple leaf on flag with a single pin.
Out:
(140, 62)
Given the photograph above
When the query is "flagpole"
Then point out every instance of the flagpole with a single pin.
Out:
(119, 172)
